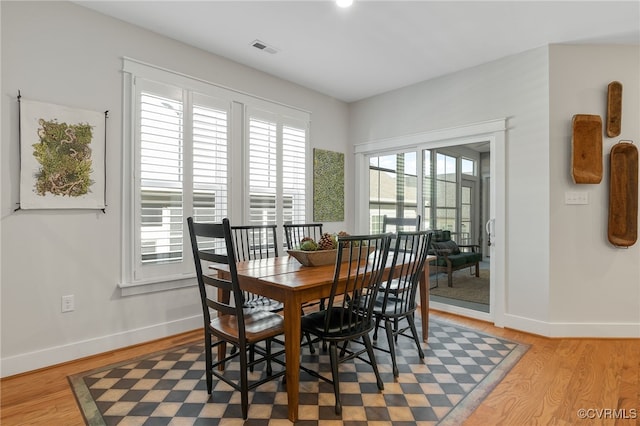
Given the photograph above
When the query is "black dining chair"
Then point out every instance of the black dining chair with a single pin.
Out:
(256, 242)
(230, 322)
(348, 316)
(395, 224)
(294, 233)
(397, 302)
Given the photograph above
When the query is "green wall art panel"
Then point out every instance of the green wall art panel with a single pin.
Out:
(62, 153)
(328, 186)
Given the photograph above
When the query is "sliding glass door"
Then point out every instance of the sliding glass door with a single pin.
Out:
(444, 187)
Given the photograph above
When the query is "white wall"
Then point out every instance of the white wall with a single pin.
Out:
(593, 283)
(515, 88)
(62, 53)
(562, 278)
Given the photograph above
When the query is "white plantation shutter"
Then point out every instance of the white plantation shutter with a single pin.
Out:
(276, 170)
(294, 174)
(161, 180)
(210, 172)
(182, 165)
(262, 170)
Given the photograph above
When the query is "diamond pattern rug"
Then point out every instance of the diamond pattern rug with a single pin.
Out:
(461, 366)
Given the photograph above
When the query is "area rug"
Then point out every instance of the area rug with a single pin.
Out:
(460, 368)
(466, 286)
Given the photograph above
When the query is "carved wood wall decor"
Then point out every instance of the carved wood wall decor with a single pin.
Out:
(614, 109)
(586, 149)
(623, 194)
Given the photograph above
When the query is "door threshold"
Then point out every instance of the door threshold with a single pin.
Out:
(459, 310)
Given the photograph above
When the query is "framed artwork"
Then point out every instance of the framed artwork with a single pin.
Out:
(328, 186)
(62, 157)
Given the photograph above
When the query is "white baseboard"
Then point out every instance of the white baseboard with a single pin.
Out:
(549, 329)
(21, 363)
(577, 330)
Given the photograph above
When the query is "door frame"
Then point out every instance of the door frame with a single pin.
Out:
(494, 132)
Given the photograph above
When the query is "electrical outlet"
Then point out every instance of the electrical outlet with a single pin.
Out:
(68, 303)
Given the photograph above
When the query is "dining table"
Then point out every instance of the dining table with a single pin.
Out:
(285, 279)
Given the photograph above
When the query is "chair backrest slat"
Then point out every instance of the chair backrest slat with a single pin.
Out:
(294, 233)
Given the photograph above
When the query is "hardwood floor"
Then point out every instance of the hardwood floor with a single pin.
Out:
(551, 383)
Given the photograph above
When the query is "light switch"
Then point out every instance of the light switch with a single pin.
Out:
(576, 197)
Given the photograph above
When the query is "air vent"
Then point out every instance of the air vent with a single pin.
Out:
(264, 46)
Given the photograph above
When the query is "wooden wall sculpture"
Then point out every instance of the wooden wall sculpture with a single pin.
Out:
(623, 194)
(586, 149)
(614, 109)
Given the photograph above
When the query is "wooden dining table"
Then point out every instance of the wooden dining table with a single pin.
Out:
(284, 279)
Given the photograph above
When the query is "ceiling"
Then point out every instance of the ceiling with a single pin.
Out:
(376, 46)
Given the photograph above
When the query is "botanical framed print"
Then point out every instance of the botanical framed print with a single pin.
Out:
(328, 186)
(62, 152)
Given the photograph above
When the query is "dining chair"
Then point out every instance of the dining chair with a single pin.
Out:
(294, 233)
(398, 300)
(256, 242)
(348, 315)
(400, 223)
(230, 322)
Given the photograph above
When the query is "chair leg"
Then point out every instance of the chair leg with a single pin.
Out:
(252, 357)
(372, 358)
(268, 350)
(244, 384)
(311, 348)
(414, 331)
(308, 336)
(343, 351)
(392, 347)
(333, 356)
(375, 330)
(208, 356)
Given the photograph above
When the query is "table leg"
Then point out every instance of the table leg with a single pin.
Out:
(292, 351)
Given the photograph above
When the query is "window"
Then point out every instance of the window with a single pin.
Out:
(197, 149)
(446, 192)
(181, 140)
(468, 166)
(449, 192)
(276, 170)
(392, 188)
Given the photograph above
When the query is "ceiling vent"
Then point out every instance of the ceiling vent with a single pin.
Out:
(264, 46)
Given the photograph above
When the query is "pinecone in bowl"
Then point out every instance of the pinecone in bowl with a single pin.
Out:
(327, 242)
